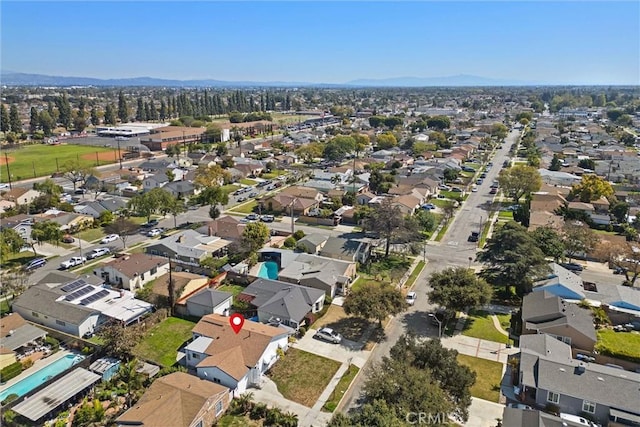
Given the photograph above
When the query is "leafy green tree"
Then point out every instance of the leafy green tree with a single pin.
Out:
(519, 181)
(459, 289)
(450, 174)
(512, 258)
(578, 238)
(426, 221)
(374, 414)
(110, 117)
(34, 121)
(95, 119)
(254, 236)
(48, 186)
(123, 110)
(46, 231)
(374, 301)
(5, 123)
(556, 164)
(439, 123)
(620, 210)
(623, 255)
(386, 140)
(590, 188)
(393, 122)
(211, 176)
(338, 147)
(10, 242)
(376, 121)
(46, 122)
(75, 172)
(587, 164)
(140, 111)
(498, 130)
(387, 220)
(176, 207)
(550, 242)
(14, 119)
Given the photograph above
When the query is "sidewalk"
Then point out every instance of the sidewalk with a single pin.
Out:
(476, 347)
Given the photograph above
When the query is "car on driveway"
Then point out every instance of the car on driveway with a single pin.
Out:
(253, 217)
(572, 266)
(98, 252)
(242, 199)
(109, 238)
(154, 232)
(328, 334)
(35, 263)
(72, 262)
(428, 206)
(267, 218)
(411, 298)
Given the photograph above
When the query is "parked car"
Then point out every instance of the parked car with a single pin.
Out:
(428, 206)
(242, 199)
(474, 189)
(328, 334)
(98, 252)
(572, 266)
(154, 232)
(456, 190)
(411, 298)
(493, 191)
(35, 263)
(150, 224)
(109, 238)
(479, 181)
(72, 262)
(253, 194)
(253, 217)
(267, 218)
(619, 270)
(68, 239)
(473, 237)
(519, 406)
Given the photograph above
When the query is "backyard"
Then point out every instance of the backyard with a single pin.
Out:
(625, 345)
(163, 341)
(27, 161)
(302, 377)
(488, 377)
(480, 325)
(232, 289)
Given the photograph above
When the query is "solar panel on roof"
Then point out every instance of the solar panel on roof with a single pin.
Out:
(94, 297)
(80, 292)
(72, 286)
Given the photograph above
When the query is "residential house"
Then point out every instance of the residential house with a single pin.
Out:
(21, 196)
(68, 221)
(178, 400)
(133, 271)
(184, 283)
(529, 417)
(6, 205)
(346, 249)
(225, 226)
(364, 198)
(234, 360)
(209, 301)
(286, 159)
(548, 375)
(543, 211)
(286, 203)
(21, 223)
(15, 335)
(157, 180)
(312, 243)
(188, 247)
(283, 303)
(96, 208)
(558, 178)
(407, 203)
(545, 313)
(181, 189)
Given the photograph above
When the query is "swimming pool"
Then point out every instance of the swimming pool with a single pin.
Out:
(268, 270)
(27, 384)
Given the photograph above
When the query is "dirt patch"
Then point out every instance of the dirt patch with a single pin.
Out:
(3, 160)
(103, 157)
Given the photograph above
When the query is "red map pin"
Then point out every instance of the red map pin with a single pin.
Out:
(236, 321)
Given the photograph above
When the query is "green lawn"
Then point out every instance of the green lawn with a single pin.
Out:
(19, 259)
(505, 215)
(443, 230)
(624, 345)
(232, 289)
(341, 388)
(360, 281)
(480, 325)
(302, 376)
(162, 342)
(441, 203)
(238, 421)
(485, 233)
(229, 188)
(4, 306)
(245, 208)
(414, 275)
(488, 377)
(31, 157)
(273, 174)
(90, 234)
(247, 181)
(451, 194)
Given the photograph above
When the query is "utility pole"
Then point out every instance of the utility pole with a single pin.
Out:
(119, 155)
(6, 162)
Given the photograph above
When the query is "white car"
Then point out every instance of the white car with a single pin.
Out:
(328, 334)
(98, 252)
(411, 298)
(154, 232)
(72, 262)
(110, 238)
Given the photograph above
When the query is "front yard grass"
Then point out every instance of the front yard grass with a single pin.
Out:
(247, 181)
(341, 388)
(302, 376)
(443, 230)
(245, 208)
(162, 342)
(238, 421)
(414, 275)
(488, 377)
(90, 234)
(480, 325)
(273, 174)
(624, 345)
(229, 188)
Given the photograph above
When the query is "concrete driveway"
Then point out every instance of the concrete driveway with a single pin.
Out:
(341, 352)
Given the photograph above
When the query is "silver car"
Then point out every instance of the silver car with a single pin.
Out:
(329, 335)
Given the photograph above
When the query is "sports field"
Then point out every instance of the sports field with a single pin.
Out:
(32, 161)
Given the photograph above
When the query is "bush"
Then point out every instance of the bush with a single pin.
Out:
(54, 343)
(27, 363)
(298, 235)
(302, 331)
(289, 242)
(274, 416)
(10, 399)
(258, 411)
(10, 371)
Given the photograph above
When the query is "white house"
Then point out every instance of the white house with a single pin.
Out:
(236, 361)
(133, 271)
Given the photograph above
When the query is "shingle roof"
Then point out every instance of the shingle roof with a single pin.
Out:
(542, 310)
(42, 299)
(136, 263)
(209, 297)
(173, 400)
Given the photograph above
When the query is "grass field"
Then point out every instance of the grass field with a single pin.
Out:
(247, 181)
(245, 208)
(302, 376)
(488, 377)
(341, 388)
(232, 289)
(163, 341)
(480, 325)
(90, 234)
(414, 274)
(625, 345)
(45, 159)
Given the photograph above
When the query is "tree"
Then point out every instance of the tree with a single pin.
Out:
(5, 123)
(498, 130)
(620, 210)
(46, 231)
(374, 414)
(439, 123)
(450, 174)
(49, 187)
(254, 236)
(426, 221)
(64, 111)
(123, 110)
(459, 289)
(150, 202)
(46, 122)
(176, 207)
(587, 164)
(338, 147)
(211, 176)
(519, 180)
(34, 120)
(213, 196)
(386, 140)
(110, 115)
(14, 119)
(388, 220)
(556, 164)
(591, 187)
(123, 227)
(513, 258)
(440, 139)
(95, 119)
(550, 242)
(214, 212)
(622, 255)
(375, 301)
(10, 242)
(76, 172)
(578, 239)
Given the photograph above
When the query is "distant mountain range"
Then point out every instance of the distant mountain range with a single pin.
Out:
(11, 78)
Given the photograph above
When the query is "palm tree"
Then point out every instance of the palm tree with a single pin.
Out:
(129, 375)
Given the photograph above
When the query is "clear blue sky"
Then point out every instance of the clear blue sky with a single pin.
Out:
(586, 42)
